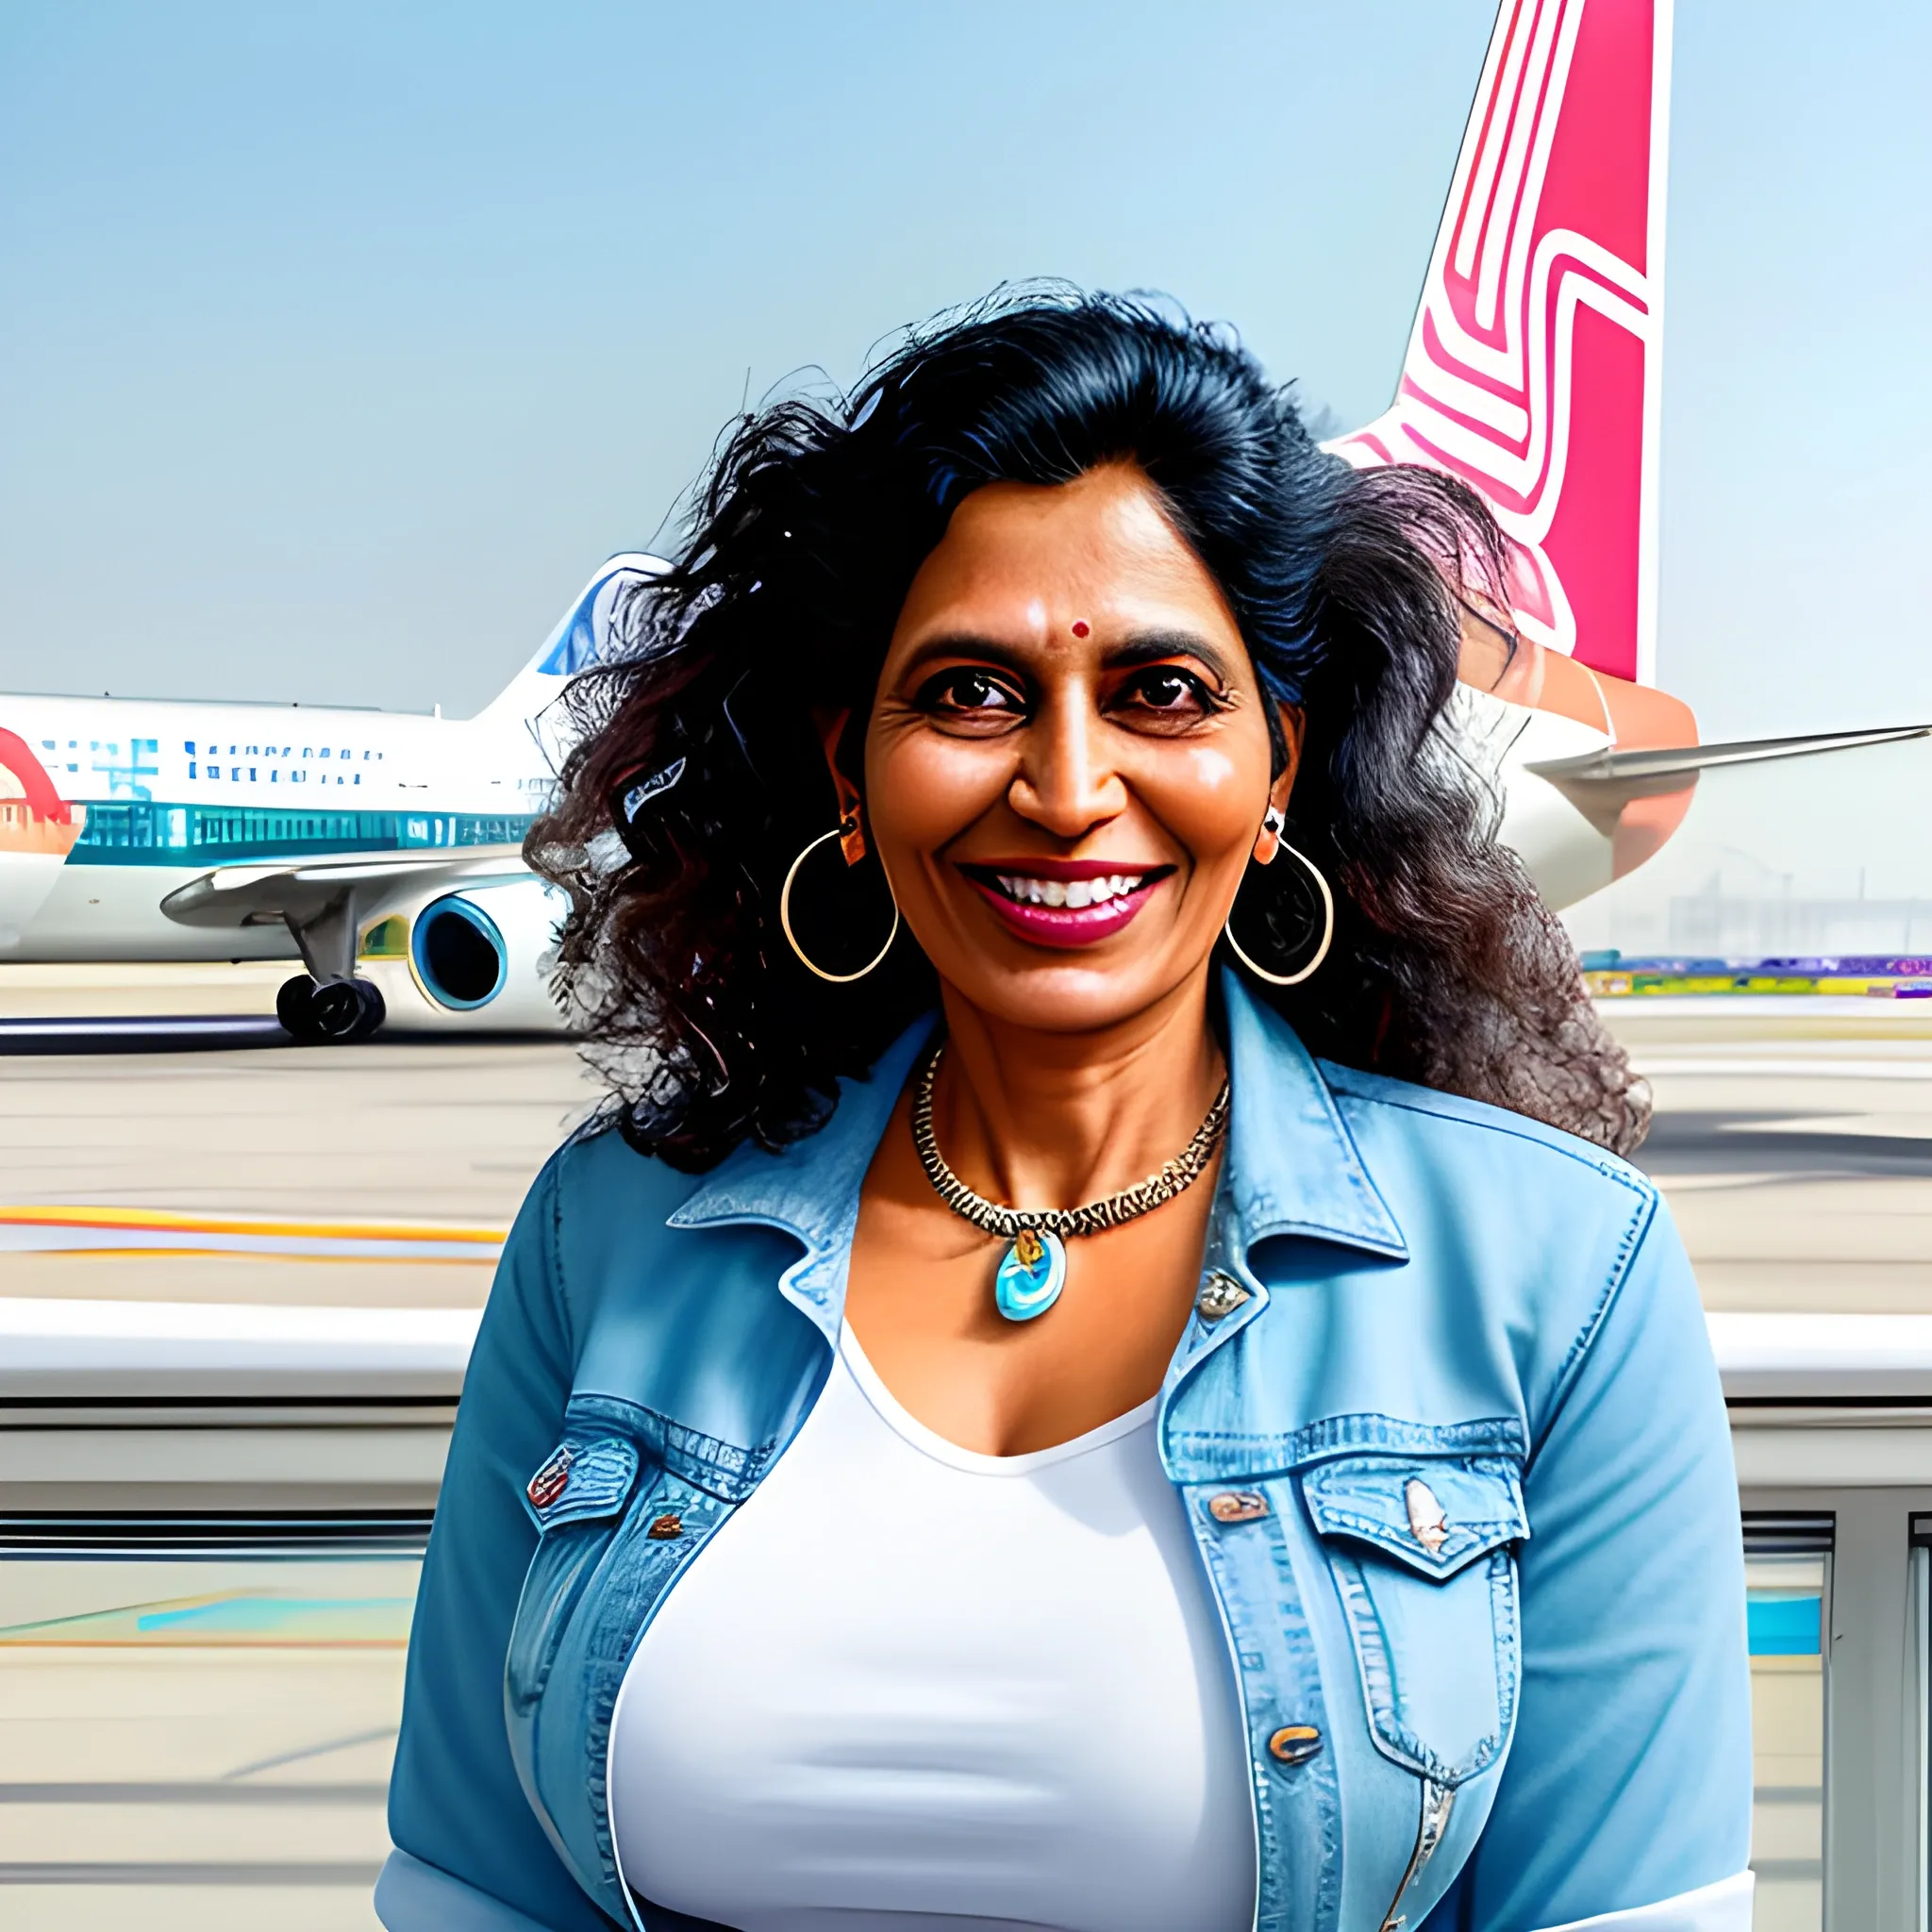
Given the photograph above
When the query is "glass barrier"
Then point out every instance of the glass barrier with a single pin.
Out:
(1785, 1598)
(195, 1744)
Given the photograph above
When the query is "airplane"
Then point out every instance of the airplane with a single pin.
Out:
(1533, 374)
(384, 848)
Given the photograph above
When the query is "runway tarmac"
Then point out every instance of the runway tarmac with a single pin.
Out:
(276, 1164)
(200, 1745)
(1793, 1139)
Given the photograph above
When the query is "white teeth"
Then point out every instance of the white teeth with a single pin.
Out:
(1074, 894)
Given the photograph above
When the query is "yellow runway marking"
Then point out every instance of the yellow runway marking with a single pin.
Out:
(49, 1228)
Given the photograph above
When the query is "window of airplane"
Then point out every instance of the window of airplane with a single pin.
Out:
(322, 753)
(1787, 1579)
(48, 745)
(189, 747)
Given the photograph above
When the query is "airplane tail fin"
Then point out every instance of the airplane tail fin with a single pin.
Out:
(579, 640)
(1534, 363)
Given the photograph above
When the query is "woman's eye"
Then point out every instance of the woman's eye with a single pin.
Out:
(970, 694)
(1169, 693)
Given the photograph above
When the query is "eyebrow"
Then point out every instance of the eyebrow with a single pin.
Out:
(1142, 647)
(1153, 646)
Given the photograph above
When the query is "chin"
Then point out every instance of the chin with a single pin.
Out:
(1066, 995)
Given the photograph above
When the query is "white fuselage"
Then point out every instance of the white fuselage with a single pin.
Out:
(163, 791)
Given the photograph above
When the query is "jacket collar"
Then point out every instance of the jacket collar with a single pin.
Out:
(810, 1188)
(1293, 1166)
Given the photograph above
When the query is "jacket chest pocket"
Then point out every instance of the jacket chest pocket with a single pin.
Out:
(1421, 1552)
(577, 1501)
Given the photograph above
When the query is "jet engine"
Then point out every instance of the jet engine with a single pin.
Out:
(477, 957)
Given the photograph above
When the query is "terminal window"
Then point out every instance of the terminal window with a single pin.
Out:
(199, 1741)
(1785, 1615)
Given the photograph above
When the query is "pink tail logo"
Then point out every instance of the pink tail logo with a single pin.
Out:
(1533, 367)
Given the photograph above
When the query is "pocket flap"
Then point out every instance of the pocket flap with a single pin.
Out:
(583, 1476)
(1432, 1514)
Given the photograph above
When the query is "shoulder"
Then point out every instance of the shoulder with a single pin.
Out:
(1402, 1117)
(596, 1208)
(1534, 1233)
(597, 1179)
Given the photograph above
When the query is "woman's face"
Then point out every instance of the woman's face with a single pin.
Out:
(1068, 760)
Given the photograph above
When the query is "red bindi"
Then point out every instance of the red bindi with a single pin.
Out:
(1079, 627)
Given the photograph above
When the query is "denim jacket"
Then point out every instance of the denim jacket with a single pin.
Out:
(1444, 1423)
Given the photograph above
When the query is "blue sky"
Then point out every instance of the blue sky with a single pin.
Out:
(339, 341)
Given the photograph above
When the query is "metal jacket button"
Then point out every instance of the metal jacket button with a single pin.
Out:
(1237, 1505)
(1219, 1296)
(1296, 1744)
(551, 1480)
(663, 1528)
(1428, 1521)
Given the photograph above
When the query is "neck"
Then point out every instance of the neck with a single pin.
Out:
(1055, 1119)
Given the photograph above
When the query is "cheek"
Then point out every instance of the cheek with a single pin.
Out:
(922, 789)
(1210, 797)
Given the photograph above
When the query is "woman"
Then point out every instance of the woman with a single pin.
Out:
(997, 1431)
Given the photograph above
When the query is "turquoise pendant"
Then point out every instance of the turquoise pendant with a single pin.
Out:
(1032, 1272)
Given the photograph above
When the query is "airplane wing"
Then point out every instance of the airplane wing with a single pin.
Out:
(1580, 812)
(1601, 783)
(325, 902)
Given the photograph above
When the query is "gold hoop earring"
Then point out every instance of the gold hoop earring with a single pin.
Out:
(1308, 971)
(839, 831)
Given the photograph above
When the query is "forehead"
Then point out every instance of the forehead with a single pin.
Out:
(1022, 560)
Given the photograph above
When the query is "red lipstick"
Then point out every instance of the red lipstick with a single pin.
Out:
(1019, 892)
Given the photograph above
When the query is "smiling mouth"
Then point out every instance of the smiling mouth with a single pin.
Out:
(1063, 911)
(1073, 894)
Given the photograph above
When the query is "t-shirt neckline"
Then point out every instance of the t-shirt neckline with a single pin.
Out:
(928, 1442)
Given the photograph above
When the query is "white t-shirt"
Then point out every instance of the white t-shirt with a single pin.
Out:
(911, 1686)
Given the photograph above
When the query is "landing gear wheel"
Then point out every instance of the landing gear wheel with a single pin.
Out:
(333, 1014)
(345, 1010)
(296, 1008)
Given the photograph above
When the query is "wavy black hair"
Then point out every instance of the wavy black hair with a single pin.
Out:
(802, 541)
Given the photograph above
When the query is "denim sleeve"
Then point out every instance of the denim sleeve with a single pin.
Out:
(1629, 1780)
(454, 1802)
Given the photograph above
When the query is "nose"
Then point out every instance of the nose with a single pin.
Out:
(1067, 783)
